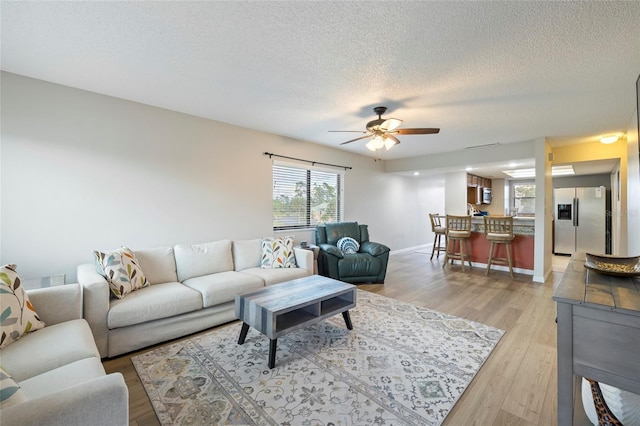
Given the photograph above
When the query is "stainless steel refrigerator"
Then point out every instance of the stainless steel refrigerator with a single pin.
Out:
(580, 220)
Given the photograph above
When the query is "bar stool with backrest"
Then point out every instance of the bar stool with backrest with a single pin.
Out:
(458, 230)
(499, 230)
(439, 231)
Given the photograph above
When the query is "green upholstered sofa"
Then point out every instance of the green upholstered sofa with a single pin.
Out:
(368, 264)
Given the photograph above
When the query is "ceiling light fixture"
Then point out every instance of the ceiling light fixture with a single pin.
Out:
(529, 173)
(609, 139)
(562, 170)
(379, 141)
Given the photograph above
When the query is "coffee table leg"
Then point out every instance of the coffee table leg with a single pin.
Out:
(243, 333)
(272, 352)
(347, 320)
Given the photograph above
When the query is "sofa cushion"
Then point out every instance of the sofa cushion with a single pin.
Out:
(276, 275)
(222, 287)
(246, 254)
(10, 391)
(277, 253)
(158, 264)
(62, 377)
(358, 265)
(121, 269)
(49, 348)
(348, 245)
(157, 301)
(197, 260)
(338, 230)
(17, 316)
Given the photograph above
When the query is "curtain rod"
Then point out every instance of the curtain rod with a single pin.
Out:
(313, 163)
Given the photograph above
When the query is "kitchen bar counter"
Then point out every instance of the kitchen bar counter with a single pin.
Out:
(521, 246)
(521, 225)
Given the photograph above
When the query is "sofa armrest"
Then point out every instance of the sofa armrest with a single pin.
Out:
(333, 250)
(57, 304)
(374, 249)
(100, 402)
(304, 259)
(96, 295)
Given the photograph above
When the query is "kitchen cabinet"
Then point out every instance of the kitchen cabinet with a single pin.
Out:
(474, 188)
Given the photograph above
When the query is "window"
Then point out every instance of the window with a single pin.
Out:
(524, 198)
(304, 197)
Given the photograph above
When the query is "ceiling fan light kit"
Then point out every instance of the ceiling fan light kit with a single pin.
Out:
(382, 131)
(380, 141)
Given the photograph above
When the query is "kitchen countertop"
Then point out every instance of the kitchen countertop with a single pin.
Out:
(522, 225)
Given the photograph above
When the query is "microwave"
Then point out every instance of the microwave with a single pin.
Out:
(486, 195)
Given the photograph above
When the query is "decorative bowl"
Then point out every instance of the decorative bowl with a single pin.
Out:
(613, 265)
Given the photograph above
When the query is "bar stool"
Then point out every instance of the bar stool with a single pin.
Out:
(458, 229)
(439, 231)
(499, 230)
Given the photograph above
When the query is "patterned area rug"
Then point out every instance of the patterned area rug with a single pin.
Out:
(401, 364)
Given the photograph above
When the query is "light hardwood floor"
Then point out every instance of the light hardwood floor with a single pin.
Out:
(515, 386)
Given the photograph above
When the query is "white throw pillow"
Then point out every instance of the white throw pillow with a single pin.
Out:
(348, 245)
(277, 253)
(17, 315)
(121, 270)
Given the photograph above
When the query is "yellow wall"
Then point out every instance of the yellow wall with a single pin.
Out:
(590, 151)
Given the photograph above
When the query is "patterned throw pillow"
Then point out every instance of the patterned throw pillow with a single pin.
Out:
(277, 253)
(10, 391)
(17, 315)
(122, 271)
(348, 245)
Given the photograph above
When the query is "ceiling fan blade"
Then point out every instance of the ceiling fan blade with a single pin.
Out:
(347, 131)
(390, 124)
(356, 139)
(417, 131)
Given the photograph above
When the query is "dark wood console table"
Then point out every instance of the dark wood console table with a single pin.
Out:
(598, 332)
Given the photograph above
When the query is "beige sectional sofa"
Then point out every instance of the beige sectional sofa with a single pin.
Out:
(192, 287)
(59, 371)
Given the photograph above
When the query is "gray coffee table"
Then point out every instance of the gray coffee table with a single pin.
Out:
(282, 308)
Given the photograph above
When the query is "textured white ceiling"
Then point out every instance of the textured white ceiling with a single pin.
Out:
(483, 72)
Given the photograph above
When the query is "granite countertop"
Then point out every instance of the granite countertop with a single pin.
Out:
(522, 225)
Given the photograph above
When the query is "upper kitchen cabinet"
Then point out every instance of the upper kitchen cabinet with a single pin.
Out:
(476, 189)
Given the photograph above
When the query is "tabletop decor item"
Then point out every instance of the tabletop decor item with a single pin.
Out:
(613, 265)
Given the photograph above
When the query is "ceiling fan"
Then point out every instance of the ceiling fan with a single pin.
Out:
(382, 130)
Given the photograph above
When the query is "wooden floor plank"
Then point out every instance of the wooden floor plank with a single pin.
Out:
(516, 385)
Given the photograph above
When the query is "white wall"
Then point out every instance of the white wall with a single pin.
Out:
(82, 171)
(543, 243)
(633, 189)
(455, 186)
(497, 206)
(431, 199)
